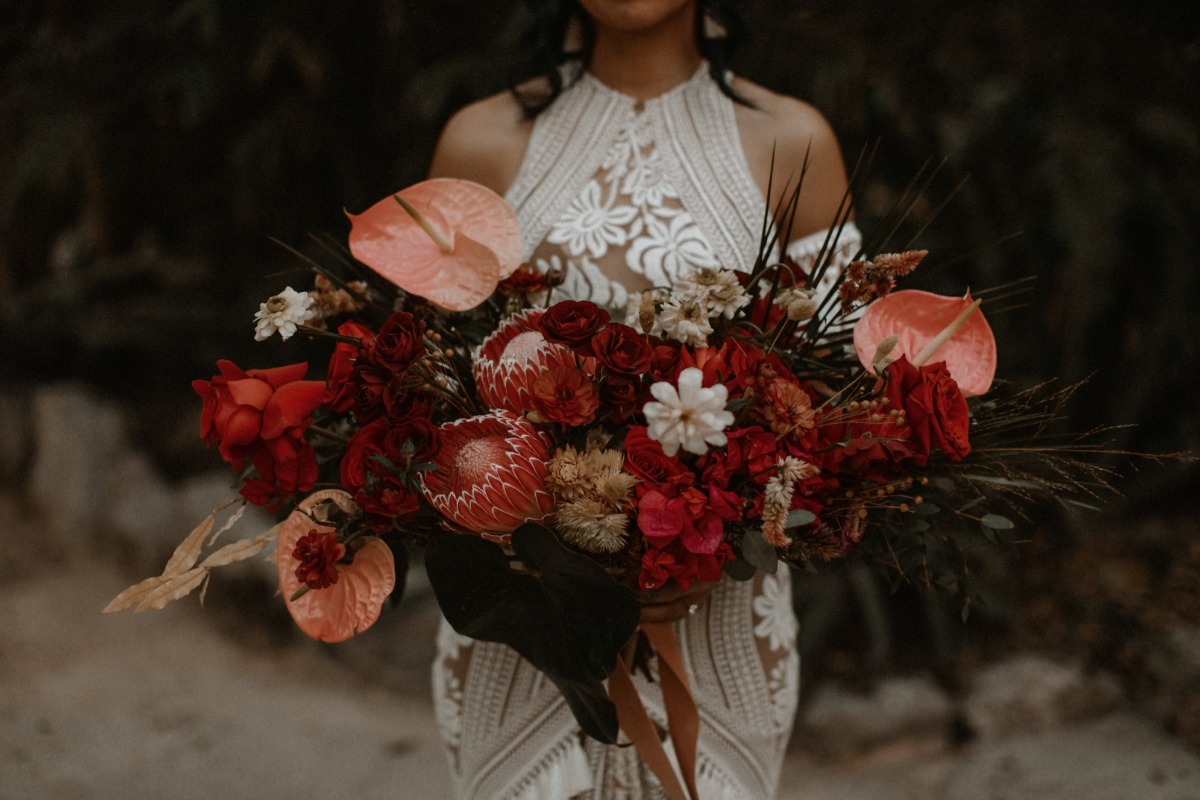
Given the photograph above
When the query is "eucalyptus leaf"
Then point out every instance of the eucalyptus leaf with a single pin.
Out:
(926, 510)
(996, 522)
(740, 569)
(799, 516)
(756, 551)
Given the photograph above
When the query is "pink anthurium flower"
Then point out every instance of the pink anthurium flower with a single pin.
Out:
(447, 240)
(351, 595)
(930, 327)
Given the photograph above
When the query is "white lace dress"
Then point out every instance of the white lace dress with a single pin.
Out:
(625, 195)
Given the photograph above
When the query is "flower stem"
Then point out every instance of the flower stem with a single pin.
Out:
(438, 238)
(321, 332)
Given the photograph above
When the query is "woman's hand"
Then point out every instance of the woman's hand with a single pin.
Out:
(671, 603)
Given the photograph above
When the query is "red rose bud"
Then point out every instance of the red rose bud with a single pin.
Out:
(573, 323)
(622, 350)
(318, 553)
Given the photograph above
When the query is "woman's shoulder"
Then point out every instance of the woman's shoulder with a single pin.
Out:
(484, 142)
(789, 131)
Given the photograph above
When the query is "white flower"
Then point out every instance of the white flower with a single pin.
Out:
(283, 313)
(685, 320)
(693, 417)
(718, 289)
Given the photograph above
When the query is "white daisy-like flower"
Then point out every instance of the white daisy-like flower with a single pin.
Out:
(692, 417)
(282, 313)
(685, 320)
(718, 289)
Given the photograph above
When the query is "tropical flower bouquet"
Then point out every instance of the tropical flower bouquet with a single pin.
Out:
(556, 466)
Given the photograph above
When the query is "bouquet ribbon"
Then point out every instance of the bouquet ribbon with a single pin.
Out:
(683, 719)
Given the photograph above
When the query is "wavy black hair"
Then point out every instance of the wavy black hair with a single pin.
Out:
(541, 48)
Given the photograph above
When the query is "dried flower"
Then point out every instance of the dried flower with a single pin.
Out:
(718, 290)
(797, 303)
(282, 313)
(866, 280)
(330, 301)
(686, 320)
(693, 417)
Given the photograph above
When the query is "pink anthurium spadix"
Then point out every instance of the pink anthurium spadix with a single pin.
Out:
(447, 240)
(930, 327)
(347, 597)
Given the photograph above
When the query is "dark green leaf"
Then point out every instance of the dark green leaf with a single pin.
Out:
(926, 510)
(756, 551)
(740, 569)
(996, 522)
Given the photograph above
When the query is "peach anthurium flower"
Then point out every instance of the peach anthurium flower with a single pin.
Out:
(351, 603)
(447, 240)
(932, 327)
(512, 358)
(490, 475)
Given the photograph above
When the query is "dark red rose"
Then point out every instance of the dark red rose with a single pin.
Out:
(564, 394)
(244, 408)
(525, 280)
(341, 389)
(401, 341)
(665, 361)
(318, 552)
(573, 323)
(623, 395)
(645, 459)
(936, 410)
(279, 479)
(622, 349)
(374, 459)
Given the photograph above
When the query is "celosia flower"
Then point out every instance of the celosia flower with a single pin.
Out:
(282, 313)
(692, 417)
(592, 526)
(490, 474)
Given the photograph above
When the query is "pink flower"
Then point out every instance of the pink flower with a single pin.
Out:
(490, 474)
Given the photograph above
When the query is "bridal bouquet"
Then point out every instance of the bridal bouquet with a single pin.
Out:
(556, 465)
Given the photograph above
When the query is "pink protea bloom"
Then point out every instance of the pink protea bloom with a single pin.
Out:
(512, 358)
(490, 475)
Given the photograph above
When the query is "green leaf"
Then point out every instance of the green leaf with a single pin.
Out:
(926, 510)
(569, 620)
(797, 517)
(757, 552)
(740, 569)
(996, 522)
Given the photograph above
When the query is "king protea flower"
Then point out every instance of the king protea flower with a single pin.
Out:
(512, 358)
(490, 474)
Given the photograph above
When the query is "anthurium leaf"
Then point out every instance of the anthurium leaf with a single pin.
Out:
(756, 550)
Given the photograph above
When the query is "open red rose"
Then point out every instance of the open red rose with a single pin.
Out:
(365, 473)
(341, 388)
(645, 460)
(665, 361)
(622, 349)
(564, 394)
(268, 406)
(573, 323)
(400, 342)
(936, 410)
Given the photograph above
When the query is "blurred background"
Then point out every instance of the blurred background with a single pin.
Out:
(151, 151)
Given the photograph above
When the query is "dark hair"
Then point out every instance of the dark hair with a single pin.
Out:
(541, 48)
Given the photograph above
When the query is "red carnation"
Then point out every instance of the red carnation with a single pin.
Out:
(318, 552)
(564, 394)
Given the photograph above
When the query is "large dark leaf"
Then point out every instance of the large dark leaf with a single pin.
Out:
(569, 621)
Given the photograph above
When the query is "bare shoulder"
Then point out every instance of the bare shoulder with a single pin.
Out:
(483, 142)
(792, 131)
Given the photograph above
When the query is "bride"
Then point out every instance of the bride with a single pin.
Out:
(631, 160)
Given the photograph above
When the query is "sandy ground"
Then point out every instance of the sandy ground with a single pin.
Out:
(170, 705)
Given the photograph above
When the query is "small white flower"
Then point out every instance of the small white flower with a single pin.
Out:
(685, 321)
(693, 417)
(717, 289)
(283, 313)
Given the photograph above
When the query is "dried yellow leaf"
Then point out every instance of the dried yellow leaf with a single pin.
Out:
(172, 589)
(237, 551)
(188, 551)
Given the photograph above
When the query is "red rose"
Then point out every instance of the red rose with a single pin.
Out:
(280, 478)
(366, 474)
(750, 452)
(665, 361)
(934, 406)
(270, 406)
(645, 459)
(622, 349)
(622, 395)
(525, 280)
(401, 341)
(564, 394)
(341, 390)
(573, 323)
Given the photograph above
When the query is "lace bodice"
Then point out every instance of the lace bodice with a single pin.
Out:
(624, 195)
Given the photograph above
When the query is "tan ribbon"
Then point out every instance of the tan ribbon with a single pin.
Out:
(683, 719)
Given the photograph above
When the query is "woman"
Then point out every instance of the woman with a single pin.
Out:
(629, 167)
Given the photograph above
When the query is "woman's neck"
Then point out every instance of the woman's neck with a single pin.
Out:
(645, 63)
